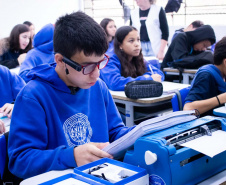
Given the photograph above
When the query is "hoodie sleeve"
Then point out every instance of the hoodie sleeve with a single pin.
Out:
(115, 124)
(16, 83)
(155, 70)
(111, 75)
(180, 47)
(28, 140)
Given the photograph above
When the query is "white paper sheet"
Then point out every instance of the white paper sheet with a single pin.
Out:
(71, 181)
(209, 145)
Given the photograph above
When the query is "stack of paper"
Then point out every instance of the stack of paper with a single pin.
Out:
(119, 147)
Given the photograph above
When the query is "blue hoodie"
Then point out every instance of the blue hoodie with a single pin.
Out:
(48, 121)
(10, 85)
(111, 74)
(41, 53)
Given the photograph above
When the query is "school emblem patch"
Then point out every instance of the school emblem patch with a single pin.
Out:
(77, 130)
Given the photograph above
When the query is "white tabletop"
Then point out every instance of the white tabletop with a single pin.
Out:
(45, 177)
(220, 111)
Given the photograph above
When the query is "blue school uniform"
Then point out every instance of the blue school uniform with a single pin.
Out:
(48, 121)
(41, 53)
(10, 85)
(207, 83)
(111, 74)
(110, 50)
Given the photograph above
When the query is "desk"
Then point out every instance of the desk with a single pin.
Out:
(168, 92)
(220, 111)
(215, 180)
(186, 73)
(45, 177)
(15, 70)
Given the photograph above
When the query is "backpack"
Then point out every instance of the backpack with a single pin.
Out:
(193, 61)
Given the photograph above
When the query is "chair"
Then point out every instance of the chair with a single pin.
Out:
(178, 99)
(6, 176)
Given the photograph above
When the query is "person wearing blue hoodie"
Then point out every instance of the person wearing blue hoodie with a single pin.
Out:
(208, 88)
(65, 115)
(41, 53)
(128, 64)
(10, 85)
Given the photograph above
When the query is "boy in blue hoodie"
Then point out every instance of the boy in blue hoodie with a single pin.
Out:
(41, 53)
(65, 115)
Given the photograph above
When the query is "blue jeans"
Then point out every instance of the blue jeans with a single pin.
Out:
(147, 50)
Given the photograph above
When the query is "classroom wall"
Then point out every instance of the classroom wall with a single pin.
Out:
(39, 12)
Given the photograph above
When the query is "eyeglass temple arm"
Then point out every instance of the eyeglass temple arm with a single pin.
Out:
(73, 64)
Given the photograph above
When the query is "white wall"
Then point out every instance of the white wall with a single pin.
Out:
(39, 12)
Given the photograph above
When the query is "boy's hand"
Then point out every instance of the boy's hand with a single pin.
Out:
(90, 152)
(2, 127)
(7, 109)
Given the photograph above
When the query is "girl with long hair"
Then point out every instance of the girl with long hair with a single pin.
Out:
(14, 48)
(127, 63)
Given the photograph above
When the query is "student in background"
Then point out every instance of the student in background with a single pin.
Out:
(13, 49)
(189, 45)
(194, 25)
(128, 64)
(41, 53)
(109, 27)
(208, 88)
(150, 20)
(10, 85)
(65, 115)
(31, 27)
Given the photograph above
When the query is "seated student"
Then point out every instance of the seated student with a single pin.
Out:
(65, 115)
(128, 64)
(13, 49)
(41, 53)
(109, 27)
(208, 88)
(10, 85)
(31, 27)
(189, 44)
(191, 27)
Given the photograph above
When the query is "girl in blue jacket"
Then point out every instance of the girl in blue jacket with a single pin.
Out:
(128, 64)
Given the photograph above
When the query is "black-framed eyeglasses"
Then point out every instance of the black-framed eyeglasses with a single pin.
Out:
(89, 68)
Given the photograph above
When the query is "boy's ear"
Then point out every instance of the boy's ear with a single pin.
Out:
(58, 58)
(224, 61)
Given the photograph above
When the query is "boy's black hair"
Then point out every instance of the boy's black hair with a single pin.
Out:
(78, 32)
(27, 23)
(197, 24)
(220, 51)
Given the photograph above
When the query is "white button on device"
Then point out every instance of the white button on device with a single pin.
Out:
(150, 157)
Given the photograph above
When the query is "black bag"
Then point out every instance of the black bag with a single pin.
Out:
(143, 89)
(194, 61)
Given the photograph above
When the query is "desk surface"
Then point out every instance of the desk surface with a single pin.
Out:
(45, 177)
(214, 180)
(169, 69)
(15, 70)
(220, 111)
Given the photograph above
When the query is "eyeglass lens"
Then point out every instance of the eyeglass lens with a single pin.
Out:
(91, 67)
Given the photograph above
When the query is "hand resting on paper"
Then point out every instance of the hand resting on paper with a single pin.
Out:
(90, 152)
(7, 109)
(2, 127)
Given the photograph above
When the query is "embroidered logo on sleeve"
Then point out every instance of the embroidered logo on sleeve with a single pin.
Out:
(77, 130)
